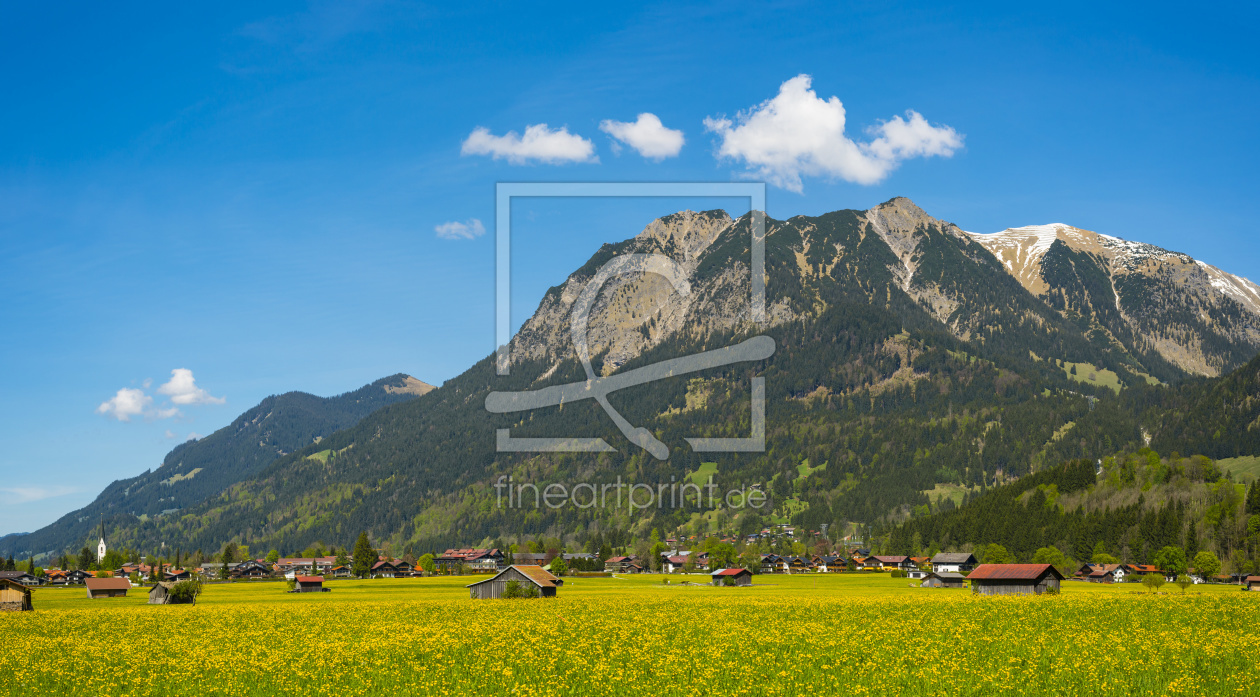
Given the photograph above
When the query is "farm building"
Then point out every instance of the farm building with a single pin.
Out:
(1253, 583)
(953, 561)
(944, 579)
(494, 586)
(741, 577)
(1011, 579)
(14, 597)
(309, 584)
(160, 594)
(107, 587)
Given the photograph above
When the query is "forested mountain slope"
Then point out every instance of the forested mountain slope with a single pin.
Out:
(910, 362)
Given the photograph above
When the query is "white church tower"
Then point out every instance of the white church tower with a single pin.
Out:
(100, 548)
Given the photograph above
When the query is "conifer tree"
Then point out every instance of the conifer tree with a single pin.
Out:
(364, 556)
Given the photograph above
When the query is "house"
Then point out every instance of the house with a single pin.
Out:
(773, 564)
(731, 577)
(22, 577)
(56, 577)
(309, 584)
(78, 576)
(957, 562)
(308, 564)
(384, 569)
(472, 559)
(527, 575)
(894, 563)
(798, 565)
(829, 563)
(1011, 579)
(1104, 573)
(622, 565)
(340, 572)
(107, 587)
(177, 575)
(14, 597)
(674, 564)
(1139, 570)
(250, 569)
(944, 579)
(1253, 583)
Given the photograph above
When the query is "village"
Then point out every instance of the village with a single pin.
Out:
(542, 573)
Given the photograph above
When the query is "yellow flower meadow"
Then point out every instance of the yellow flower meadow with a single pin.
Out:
(840, 634)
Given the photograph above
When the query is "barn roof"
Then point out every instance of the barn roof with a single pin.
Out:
(1252, 579)
(1012, 572)
(953, 558)
(730, 572)
(107, 584)
(309, 579)
(536, 574)
(948, 575)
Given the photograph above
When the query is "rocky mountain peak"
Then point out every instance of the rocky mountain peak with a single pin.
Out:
(688, 232)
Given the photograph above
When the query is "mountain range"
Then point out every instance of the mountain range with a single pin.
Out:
(913, 361)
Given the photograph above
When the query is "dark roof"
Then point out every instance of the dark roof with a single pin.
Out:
(947, 575)
(953, 558)
(107, 584)
(890, 559)
(13, 584)
(14, 574)
(1013, 572)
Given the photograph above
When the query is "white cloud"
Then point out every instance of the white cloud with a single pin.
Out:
(182, 389)
(798, 134)
(128, 402)
(467, 230)
(193, 435)
(27, 494)
(170, 434)
(647, 135)
(540, 144)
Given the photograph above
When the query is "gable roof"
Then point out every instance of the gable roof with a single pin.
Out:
(535, 574)
(1013, 572)
(947, 575)
(107, 584)
(309, 579)
(953, 558)
(730, 572)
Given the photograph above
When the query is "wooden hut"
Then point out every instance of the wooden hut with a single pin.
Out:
(160, 594)
(741, 577)
(943, 579)
(14, 597)
(1013, 579)
(494, 586)
(1253, 583)
(309, 584)
(107, 587)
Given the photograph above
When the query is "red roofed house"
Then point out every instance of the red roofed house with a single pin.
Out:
(732, 577)
(1011, 579)
(309, 584)
(107, 587)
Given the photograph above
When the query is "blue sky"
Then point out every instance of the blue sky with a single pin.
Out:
(253, 195)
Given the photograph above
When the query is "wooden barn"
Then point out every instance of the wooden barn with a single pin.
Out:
(309, 584)
(1014, 579)
(107, 587)
(160, 594)
(14, 597)
(534, 575)
(943, 579)
(1253, 583)
(741, 577)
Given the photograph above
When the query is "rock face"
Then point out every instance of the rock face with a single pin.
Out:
(1193, 315)
(1166, 310)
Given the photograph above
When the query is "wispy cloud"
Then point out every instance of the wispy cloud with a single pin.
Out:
(539, 144)
(797, 134)
(647, 135)
(27, 494)
(455, 230)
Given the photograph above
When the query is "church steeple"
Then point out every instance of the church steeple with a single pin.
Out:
(100, 548)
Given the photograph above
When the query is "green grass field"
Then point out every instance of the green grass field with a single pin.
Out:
(786, 635)
(1246, 468)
